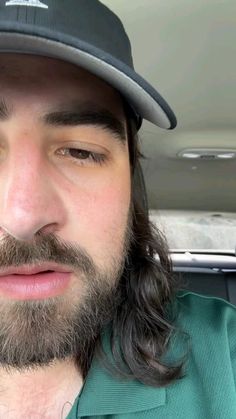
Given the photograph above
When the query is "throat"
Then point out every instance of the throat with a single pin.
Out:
(47, 392)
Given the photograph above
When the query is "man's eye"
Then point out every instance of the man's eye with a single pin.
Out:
(83, 156)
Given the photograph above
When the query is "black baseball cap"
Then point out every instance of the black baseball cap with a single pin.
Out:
(88, 34)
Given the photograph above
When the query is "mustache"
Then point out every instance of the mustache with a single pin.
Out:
(45, 248)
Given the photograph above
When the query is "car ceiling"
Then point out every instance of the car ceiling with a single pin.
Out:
(186, 49)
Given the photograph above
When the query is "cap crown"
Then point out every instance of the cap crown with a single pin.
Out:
(87, 20)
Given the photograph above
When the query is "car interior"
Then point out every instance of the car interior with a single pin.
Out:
(187, 51)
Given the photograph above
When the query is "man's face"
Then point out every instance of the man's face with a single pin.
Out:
(64, 198)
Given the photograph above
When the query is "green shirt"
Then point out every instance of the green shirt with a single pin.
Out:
(208, 389)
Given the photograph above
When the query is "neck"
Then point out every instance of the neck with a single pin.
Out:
(47, 392)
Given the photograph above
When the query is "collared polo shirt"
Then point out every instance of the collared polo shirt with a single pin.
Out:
(208, 388)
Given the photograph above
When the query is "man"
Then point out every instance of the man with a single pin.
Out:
(91, 323)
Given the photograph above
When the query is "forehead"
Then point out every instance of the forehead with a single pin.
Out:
(52, 80)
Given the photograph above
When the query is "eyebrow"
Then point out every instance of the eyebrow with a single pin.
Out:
(89, 115)
(76, 114)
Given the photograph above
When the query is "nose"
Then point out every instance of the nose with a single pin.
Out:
(29, 201)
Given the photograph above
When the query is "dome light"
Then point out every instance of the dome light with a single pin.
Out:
(226, 156)
(207, 154)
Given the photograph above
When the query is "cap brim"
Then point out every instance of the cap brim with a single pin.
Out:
(145, 100)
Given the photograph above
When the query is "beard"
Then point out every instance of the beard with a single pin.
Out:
(35, 333)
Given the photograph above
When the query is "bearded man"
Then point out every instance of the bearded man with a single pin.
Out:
(92, 323)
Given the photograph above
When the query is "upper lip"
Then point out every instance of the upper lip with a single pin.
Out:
(30, 270)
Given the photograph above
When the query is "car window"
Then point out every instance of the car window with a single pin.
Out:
(197, 230)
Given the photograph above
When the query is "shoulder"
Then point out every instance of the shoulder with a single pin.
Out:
(202, 307)
(209, 354)
(206, 319)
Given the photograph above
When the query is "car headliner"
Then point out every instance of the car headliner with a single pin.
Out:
(187, 51)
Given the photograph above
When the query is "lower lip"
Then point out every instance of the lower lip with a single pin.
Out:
(37, 286)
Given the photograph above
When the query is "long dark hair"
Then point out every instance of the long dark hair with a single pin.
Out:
(143, 323)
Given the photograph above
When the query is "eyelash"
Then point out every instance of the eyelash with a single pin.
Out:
(95, 158)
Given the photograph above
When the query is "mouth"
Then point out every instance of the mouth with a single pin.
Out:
(38, 285)
(37, 273)
(35, 269)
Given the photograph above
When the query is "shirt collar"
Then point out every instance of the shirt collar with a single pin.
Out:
(105, 394)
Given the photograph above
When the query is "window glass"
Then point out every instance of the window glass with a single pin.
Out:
(197, 230)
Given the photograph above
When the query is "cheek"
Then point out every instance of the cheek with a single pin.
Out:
(98, 220)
